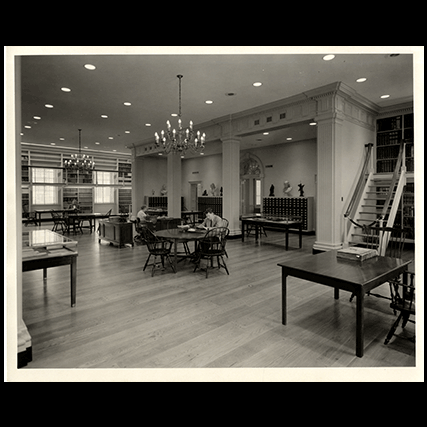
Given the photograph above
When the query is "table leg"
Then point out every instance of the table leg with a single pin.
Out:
(284, 276)
(337, 293)
(175, 253)
(73, 280)
(44, 273)
(360, 324)
(256, 232)
(287, 237)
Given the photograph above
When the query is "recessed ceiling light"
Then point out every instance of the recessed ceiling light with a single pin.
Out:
(256, 84)
(110, 137)
(385, 96)
(288, 139)
(97, 143)
(265, 133)
(62, 139)
(90, 67)
(328, 57)
(65, 89)
(48, 105)
(104, 116)
(313, 124)
(27, 127)
(21, 134)
(52, 143)
(127, 104)
(114, 150)
(208, 102)
(174, 115)
(146, 124)
(128, 131)
(160, 154)
(361, 80)
(37, 117)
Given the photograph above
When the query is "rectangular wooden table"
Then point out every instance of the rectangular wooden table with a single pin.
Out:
(43, 249)
(352, 276)
(285, 223)
(85, 216)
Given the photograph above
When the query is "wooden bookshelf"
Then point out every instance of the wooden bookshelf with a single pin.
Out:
(390, 132)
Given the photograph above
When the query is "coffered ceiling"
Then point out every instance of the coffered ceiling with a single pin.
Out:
(129, 96)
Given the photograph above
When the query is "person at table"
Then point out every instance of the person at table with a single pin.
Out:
(74, 205)
(141, 213)
(211, 220)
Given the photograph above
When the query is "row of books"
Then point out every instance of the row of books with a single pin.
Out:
(388, 138)
(389, 123)
(390, 164)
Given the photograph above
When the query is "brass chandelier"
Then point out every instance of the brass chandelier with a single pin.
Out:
(80, 162)
(182, 139)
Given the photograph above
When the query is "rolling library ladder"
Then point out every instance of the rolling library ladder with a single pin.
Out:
(377, 199)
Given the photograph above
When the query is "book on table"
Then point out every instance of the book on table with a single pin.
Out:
(356, 253)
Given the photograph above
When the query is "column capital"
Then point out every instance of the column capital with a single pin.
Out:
(232, 138)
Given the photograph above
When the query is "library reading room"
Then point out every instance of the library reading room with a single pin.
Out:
(213, 215)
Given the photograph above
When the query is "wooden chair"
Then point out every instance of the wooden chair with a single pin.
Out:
(403, 301)
(58, 222)
(211, 246)
(388, 241)
(30, 217)
(156, 247)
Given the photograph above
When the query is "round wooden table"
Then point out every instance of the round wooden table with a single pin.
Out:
(177, 234)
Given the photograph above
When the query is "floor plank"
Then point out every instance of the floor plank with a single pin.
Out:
(124, 318)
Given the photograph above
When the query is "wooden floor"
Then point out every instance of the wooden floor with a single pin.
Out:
(124, 318)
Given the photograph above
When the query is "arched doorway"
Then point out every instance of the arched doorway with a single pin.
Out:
(251, 184)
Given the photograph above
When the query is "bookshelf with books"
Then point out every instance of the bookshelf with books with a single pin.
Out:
(84, 196)
(291, 206)
(390, 132)
(125, 173)
(125, 200)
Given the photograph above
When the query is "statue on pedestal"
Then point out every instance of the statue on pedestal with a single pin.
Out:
(287, 189)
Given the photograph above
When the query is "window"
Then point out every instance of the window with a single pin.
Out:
(104, 194)
(258, 192)
(45, 194)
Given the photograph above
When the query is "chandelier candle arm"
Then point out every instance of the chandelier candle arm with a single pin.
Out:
(179, 140)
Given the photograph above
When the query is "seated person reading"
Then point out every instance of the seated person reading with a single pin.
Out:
(74, 205)
(211, 220)
(141, 213)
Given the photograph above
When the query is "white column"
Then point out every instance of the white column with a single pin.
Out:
(231, 182)
(174, 185)
(329, 205)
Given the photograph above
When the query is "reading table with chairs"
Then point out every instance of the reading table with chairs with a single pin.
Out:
(164, 242)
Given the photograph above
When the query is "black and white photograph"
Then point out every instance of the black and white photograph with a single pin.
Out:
(214, 213)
